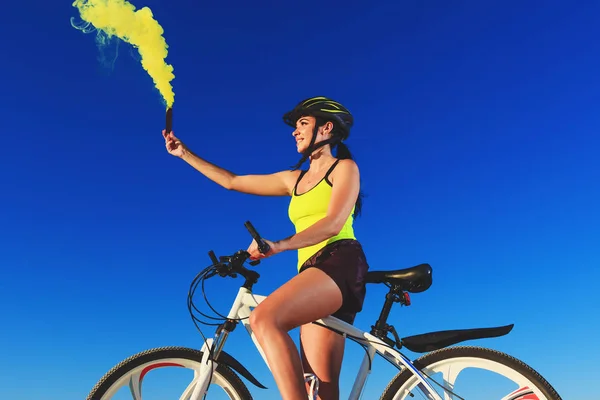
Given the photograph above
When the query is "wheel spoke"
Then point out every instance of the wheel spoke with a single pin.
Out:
(135, 382)
(135, 386)
(187, 393)
(449, 375)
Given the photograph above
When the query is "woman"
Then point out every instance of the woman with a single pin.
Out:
(331, 263)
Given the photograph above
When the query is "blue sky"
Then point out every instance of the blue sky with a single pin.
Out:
(476, 135)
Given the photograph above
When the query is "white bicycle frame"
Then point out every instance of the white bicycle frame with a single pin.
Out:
(241, 310)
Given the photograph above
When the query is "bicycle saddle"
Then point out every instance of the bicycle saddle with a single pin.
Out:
(414, 279)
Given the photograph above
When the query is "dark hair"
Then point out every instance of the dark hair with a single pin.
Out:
(336, 143)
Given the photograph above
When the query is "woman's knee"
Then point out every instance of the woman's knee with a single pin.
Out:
(256, 319)
(262, 320)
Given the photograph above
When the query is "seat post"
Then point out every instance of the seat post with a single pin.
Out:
(380, 327)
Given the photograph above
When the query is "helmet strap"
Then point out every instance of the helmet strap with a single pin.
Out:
(312, 147)
(313, 139)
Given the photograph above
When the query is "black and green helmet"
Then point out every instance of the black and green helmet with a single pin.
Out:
(321, 107)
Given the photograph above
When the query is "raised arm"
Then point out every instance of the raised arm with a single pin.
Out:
(276, 184)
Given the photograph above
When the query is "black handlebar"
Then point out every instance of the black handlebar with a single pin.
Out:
(263, 247)
(213, 257)
(233, 264)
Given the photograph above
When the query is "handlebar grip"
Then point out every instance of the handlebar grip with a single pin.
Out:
(263, 247)
(213, 257)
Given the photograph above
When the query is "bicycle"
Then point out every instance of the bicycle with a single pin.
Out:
(211, 364)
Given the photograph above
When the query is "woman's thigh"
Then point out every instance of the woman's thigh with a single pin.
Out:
(304, 298)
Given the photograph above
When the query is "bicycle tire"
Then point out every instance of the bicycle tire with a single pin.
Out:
(472, 352)
(161, 353)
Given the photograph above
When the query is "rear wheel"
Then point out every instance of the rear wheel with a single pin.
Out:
(445, 366)
(124, 381)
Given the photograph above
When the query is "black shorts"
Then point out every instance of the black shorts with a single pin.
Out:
(345, 262)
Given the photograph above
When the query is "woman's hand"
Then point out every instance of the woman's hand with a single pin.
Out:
(255, 254)
(174, 146)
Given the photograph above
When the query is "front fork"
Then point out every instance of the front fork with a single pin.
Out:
(208, 365)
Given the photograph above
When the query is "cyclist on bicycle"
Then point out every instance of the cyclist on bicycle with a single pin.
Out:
(332, 266)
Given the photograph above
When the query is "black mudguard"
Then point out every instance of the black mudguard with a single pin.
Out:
(438, 340)
(234, 364)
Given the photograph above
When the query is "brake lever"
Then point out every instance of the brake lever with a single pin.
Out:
(246, 255)
(222, 270)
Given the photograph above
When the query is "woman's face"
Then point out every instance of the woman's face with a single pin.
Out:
(304, 131)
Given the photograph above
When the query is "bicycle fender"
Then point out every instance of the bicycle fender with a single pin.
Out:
(440, 339)
(234, 364)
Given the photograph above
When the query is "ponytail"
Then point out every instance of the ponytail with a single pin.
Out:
(343, 152)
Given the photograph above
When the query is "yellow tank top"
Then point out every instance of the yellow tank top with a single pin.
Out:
(309, 207)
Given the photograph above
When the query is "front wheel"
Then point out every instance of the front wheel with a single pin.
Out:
(443, 367)
(124, 381)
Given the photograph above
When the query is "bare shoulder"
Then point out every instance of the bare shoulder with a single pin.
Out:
(346, 169)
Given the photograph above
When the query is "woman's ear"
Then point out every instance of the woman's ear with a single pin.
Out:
(327, 128)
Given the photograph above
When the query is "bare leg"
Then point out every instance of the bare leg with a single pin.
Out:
(322, 355)
(306, 297)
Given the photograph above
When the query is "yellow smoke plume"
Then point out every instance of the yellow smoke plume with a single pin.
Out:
(138, 28)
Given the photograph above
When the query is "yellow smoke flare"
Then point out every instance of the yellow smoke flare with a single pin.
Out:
(138, 28)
